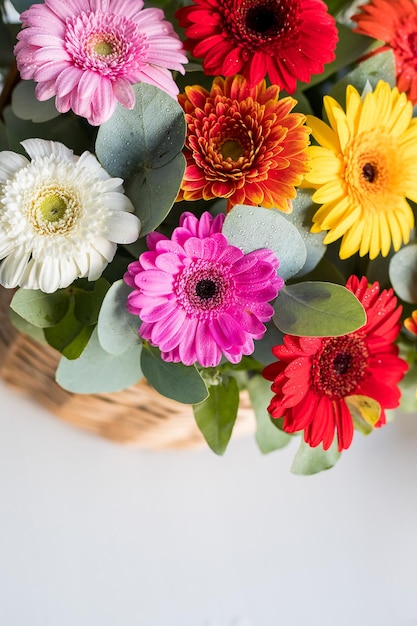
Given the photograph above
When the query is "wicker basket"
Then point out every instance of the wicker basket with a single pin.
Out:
(138, 415)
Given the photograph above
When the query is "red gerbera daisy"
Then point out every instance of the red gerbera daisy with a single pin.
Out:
(314, 376)
(243, 144)
(287, 39)
(395, 23)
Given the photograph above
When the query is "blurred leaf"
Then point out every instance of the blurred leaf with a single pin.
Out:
(365, 412)
(263, 347)
(310, 460)
(380, 66)
(251, 228)
(97, 371)
(27, 107)
(173, 380)
(117, 328)
(41, 309)
(26, 328)
(268, 437)
(216, 416)
(22, 5)
(403, 273)
(318, 309)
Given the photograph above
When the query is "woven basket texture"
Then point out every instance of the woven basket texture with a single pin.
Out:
(138, 415)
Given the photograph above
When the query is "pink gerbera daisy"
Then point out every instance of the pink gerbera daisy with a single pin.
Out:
(88, 53)
(314, 376)
(287, 39)
(199, 297)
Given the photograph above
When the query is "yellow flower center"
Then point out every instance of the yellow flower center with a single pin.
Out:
(373, 168)
(53, 210)
(103, 49)
(231, 149)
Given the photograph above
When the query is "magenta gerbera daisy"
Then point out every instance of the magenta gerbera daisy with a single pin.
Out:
(287, 39)
(89, 53)
(315, 376)
(200, 298)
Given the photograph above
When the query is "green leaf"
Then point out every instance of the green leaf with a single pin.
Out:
(216, 416)
(302, 218)
(26, 328)
(403, 273)
(380, 66)
(97, 371)
(23, 5)
(251, 228)
(318, 309)
(310, 460)
(88, 298)
(263, 347)
(39, 308)
(144, 146)
(268, 437)
(153, 192)
(117, 328)
(365, 412)
(173, 380)
(26, 106)
(68, 336)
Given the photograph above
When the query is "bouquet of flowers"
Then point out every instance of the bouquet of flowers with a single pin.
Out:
(218, 195)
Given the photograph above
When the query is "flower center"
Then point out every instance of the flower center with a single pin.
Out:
(53, 210)
(373, 169)
(103, 48)
(260, 22)
(231, 149)
(340, 366)
(204, 289)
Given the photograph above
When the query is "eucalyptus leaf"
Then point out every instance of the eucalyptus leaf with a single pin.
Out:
(117, 328)
(380, 66)
(97, 371)
(68, 335)
(308, 460)
(318, 309)
(26, 106)
(403, 273)
(23, 5)
(216, 416)
(268, 437)
(302, 218)
(88, 301)
(23, 326)
(263, 347)
(173, 380)
(41, 309)
(251, 228)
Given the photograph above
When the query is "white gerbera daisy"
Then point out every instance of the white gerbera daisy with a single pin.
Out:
(61, 216)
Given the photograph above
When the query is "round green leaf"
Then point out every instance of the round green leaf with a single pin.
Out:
(310, 460)
(403, 273)
(268, 437)
(39, 308)
(318, 309)
(117, 328)
(26, 106)
(97, 371)
(251, 228)
(173, 380)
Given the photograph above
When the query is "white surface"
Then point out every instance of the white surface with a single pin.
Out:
(95, 534)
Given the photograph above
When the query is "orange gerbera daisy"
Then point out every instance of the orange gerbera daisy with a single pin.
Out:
(243, 144)
(395, 23)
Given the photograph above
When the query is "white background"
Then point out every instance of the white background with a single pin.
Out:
(97, 534)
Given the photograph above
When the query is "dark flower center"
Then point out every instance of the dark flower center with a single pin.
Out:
(206, 289)
(261, 19)
(340, 366)
(231, 149)
(369, 172)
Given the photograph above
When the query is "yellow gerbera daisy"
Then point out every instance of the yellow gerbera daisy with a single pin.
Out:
(364, 169)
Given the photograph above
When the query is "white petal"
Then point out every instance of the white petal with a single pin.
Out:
(10, 163)
(123, 227)
(6, 246)
(90, 163)
(119, 202)
(96, 265)
(30, 278)
(49, 275)
(105, 247)
(42, 147)
(13, 268)
(70, 271)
